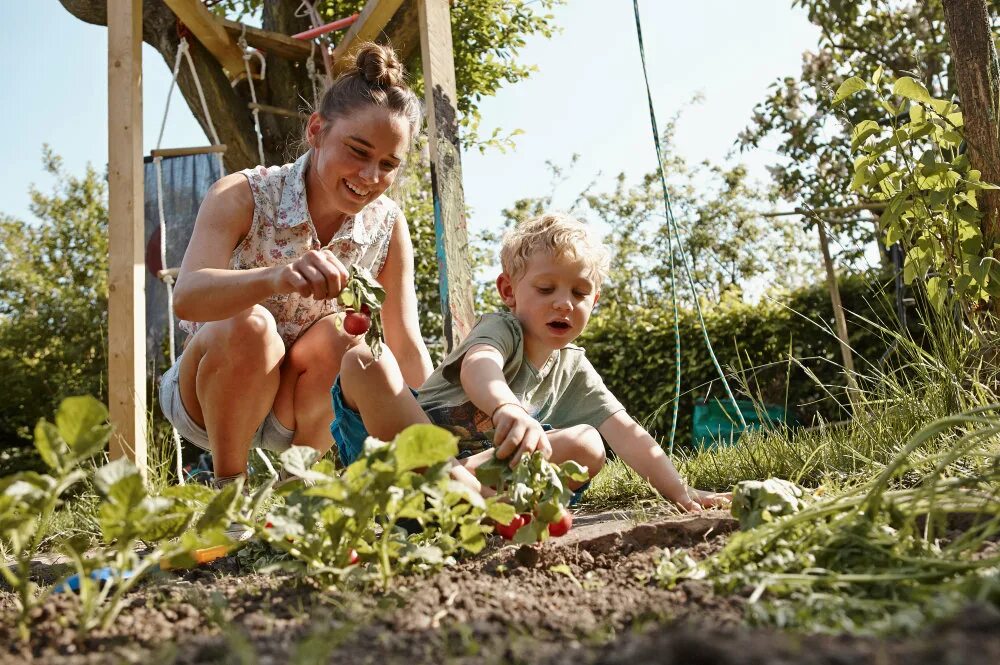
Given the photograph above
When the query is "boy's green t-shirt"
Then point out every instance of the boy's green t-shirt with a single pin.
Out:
(566, 391)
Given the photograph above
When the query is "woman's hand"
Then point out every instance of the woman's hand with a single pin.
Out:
(518, 433)
(317, 274)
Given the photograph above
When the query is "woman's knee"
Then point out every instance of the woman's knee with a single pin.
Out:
(321, 349)
(252, 334)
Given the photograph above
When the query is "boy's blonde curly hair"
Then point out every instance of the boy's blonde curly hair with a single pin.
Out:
(559, 235)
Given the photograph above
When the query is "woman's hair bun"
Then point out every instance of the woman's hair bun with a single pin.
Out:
(380, 66)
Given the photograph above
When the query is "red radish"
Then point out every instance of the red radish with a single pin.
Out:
(562, 525)
(353, 558)
(507, 531)
(357, 323)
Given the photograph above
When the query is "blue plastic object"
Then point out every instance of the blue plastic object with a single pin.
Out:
(102, 575)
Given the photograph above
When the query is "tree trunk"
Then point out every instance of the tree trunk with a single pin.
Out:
(978, 72)
(286, 85)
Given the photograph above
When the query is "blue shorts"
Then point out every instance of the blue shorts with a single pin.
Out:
(349, 432)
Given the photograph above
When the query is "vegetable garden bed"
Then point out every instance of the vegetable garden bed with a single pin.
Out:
(587, 598)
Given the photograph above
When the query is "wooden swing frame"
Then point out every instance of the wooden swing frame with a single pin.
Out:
(127, 395)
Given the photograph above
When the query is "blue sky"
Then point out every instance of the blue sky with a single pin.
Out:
(587, 97)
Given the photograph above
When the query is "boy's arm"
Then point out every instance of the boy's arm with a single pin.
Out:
(484, 383)
(639, 450)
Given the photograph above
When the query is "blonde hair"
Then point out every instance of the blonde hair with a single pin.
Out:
(557, 234)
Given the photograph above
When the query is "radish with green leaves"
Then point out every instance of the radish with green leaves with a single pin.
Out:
(362, 296)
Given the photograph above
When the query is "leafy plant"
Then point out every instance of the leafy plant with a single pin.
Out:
(758, 501)
(535, 487)
(28, 499)
(914, 162)
(910, 545)
(326, 516)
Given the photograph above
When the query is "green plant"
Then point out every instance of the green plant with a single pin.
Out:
(28, 499)
(914, 162)
(364, 297)
(909, 545)
(326, 515)
(535, 487)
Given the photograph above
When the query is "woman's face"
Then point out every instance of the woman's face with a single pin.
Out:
(358, 157)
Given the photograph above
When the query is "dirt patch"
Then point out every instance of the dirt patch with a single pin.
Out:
(587, 598)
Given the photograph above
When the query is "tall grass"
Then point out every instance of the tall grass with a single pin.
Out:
(950, 369)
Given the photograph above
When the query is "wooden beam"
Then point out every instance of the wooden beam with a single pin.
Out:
(273, 43)
(126, 278)
(446, 171)
(374, 17)
(210, 32)
(403, 32)
(184, 152)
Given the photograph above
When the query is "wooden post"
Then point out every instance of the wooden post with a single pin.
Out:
(838, 311)
(446, 171)
(126, 279)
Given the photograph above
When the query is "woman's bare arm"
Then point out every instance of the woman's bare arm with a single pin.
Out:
(208, 290)
(399, 311)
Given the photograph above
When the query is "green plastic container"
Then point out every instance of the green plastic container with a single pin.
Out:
(716, 423)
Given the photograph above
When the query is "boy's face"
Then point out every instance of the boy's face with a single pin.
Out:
(553, 299)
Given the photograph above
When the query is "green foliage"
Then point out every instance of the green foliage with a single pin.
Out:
(327, 516)
(28, 499)
(726, 241)
(758, 501)
(633, 349)
(901, 38)
(361, 290)
(914, 163)
(487, 36)
(534, 486)
(53, 301)
(883, 557)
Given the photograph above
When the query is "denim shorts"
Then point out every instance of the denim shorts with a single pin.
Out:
(271, 434)
(349, 432)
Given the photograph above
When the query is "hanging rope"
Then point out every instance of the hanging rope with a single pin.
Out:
(307, 8)
(249, 53)
(673, 236)
(183, 51)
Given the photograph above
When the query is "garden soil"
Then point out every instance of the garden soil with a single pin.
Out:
(586, 598)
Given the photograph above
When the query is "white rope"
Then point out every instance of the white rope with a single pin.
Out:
(183, 51)
(247, 54)
(307, 8)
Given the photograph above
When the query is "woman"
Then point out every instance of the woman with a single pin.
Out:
(268, 256)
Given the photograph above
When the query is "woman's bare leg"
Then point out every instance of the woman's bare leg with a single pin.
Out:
(303, 401)
(228, 379)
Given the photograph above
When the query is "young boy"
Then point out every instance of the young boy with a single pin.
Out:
(517, 373)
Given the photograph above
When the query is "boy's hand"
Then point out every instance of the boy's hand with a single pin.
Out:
(518, 433)
(694, 500)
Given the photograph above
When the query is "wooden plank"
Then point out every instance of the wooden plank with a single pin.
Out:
(403, 32)
(210, 32)
(838, 311)
(183, 152)
(374, 17)
(273, 43)
(126, 272)
(446, 170)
